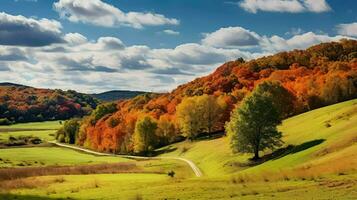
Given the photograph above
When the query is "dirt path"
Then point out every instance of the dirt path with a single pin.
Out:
(192, 165)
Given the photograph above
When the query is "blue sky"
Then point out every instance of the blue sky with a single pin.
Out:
(100, 45)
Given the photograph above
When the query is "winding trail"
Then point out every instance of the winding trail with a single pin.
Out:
(192, 165)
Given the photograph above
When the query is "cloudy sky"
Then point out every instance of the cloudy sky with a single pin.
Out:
(152, 45)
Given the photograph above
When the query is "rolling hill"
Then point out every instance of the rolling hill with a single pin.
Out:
(321, 75)
(313, 141)
(115, 95)
(20, 103)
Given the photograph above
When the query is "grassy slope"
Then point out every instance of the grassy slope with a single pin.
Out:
(214, 157)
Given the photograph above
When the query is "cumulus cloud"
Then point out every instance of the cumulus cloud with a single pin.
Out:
(248, 41)
(276, 43)
(348, 29)
(171, 32)
(108, 63)
(292, 6)
(100, 13)
(22, 31)
(75, 38)
(12, 54)
(231, 37)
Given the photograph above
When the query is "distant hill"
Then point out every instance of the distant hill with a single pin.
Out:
(20, 103)
(115, 95)
(4, 84)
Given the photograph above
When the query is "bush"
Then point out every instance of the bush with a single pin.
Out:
(5, 121)
(171, 174)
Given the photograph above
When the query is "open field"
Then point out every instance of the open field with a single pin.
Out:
(45, 156)
(46, 135)
(156, 186)
(49, 125)
(43, 130)
(302, 170)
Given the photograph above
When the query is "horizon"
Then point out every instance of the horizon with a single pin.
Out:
(69, 44)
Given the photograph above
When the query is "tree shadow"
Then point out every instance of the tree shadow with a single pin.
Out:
(211, 136)
(28, 197)
(167, 149)
(290, 149)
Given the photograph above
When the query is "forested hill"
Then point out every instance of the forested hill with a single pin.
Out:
(19, 103)
(321, 75)
(115, 95)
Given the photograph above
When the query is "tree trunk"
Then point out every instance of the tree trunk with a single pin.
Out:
(256, 154)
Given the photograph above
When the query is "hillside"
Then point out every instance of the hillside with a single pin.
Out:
(19, 103)
(115, 95)
(316, 138)
(321, 75)
(321, 165)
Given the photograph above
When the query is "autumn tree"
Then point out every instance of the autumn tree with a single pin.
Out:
(188, 117)
(144, 135)
(282, 99)
(337, 89)
(166, 130)
(199, 114)
(210, 110)
(252, 127)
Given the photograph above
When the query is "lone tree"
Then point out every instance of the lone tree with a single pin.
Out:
(252, 126)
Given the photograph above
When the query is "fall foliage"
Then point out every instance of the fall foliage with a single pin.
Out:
(27, 104)
(320, 75)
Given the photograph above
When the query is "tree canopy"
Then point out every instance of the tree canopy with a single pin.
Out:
(253, 125)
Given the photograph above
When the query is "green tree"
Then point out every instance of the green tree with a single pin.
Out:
(252, 126)
(68, 133)
(144, 135)
(103, 110)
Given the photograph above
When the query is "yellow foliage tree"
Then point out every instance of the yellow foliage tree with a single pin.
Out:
(144, 135)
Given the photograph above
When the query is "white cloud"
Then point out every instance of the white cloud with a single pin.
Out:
(295, 31)
(100, 13)
(275, 43)
(75, 38)
(171, 32)
(292, 6)
(317, 6)
(19, 30)
(231, 37)
(348, 29)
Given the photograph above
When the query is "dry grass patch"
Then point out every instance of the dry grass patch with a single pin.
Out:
(16, 173)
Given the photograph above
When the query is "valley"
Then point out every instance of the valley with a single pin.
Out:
(303, 170)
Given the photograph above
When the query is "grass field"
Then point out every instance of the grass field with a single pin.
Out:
(321, 164)
(156, 186)
(53, 125)
(45, 156)
(42, 130)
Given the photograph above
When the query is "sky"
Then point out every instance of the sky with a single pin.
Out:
(154, 45)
